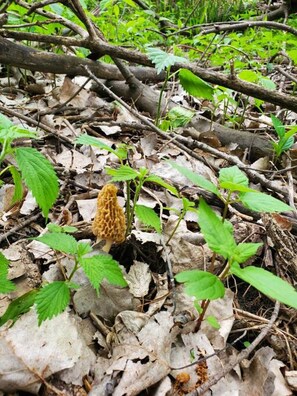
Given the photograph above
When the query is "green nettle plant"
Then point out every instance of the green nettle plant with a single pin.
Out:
(53, 298)
(32, 167)
(285, 139)
(135, 181)
(218, 233)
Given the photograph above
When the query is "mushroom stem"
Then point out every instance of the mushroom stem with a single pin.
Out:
(107, 246)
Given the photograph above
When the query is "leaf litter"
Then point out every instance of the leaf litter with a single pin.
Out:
(143, 336)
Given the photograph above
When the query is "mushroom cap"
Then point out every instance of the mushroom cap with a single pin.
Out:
(109, 222)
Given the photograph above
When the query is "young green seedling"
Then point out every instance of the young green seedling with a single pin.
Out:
(218, 233)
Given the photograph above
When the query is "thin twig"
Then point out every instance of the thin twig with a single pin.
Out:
(242, 355)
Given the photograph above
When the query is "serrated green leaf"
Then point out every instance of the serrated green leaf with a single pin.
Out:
(267, 283)
(217, 234)
(278, 126)
(194, 85)
(235, 187)
(92, 141)
(233, 176)
(5, 122)
(244, 251)
(59, 241)
(6, 285)
(123, 173)
(16, 132)
(18, 186)
(39, 175)
(148, 217)
(162, 59)
(52, 227)
(101, 267)
(249, 75)
(179, 116)
(158, 180)
(51, 300)
(202, 285)
(212, 320)
(265, 82)
(196, 179)
(261, 202)
(83, 248)
(18, 307)
(69, 229)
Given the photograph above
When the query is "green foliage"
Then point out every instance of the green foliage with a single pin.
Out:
(162, 59)
(194, 85)
(36, 171)
(213, 322)
(202, 285)
(59, 241)
(18, 307)
(121, 152)
(123, 173)
(51, 300)
(148, 217)
(285, 139)
(176, 117)
(5, 284)
(216, 233)
(219, 236)
(261, 202)
(269, 284)
(100, 267)
(198, 180)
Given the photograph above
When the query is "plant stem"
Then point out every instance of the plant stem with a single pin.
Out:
(75, 268)
(181, 216)
(128, 207)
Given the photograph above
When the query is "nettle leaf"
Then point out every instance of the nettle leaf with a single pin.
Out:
(212, 320)
(51, 300)
(265, 82)
(162, 59)
(123, 173)
(261, 202)
(194, 85)
(196, 179)
(158, 180)
(5, 122)
(249, 75)
(59, 241)
(83, 248)
(148, 217)
(244, 251)
(92, 141)
(18, 307)
(39, 176)
(267, 283)
(202, 285)
(233, 179)
(278, 126)
(6, 285)
(101, 267)
(217, 234)
(179, 116)
(69, 229)
(18, 186)
(17, 132)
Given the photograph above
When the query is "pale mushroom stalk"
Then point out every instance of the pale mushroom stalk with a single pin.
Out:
(109, 223)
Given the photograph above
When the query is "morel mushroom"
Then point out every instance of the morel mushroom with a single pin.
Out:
(109, 223)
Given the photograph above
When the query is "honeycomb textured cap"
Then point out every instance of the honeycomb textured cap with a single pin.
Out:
(109, 223)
